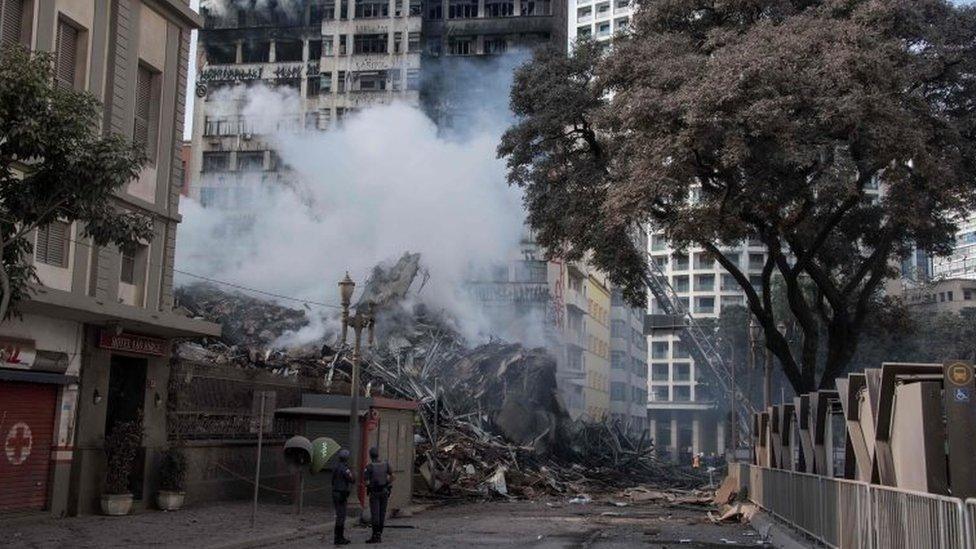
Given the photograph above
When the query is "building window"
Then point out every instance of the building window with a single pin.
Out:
(312, 120)
(682, 393)
(253, 51)
(660, 392)
(967, 294)
(397, 40)
(603, 29)
(343, 44)
(536, 7)
(128, 274)
(499, 8)
(704, 283)
(413, 42)
(372, 9)
(313, 85)
(704, 261)
(583, 32)
(66, 61)
(251, 161)
(757, 261)
(341, 83)
(680, 284)
(682, 372)
(679, 262)
(327, 50)
(704, 304)
(659, 349)
(495, 46)
(415, 8)
(221, 54)
(12, 22)
(369, 43)
(216, 161)
(435, 10)
(659, 372)
(413, 79)
(462, 9)
(371, 81)
(618, 391)
(288, 51)
(52, 244)
(146, 126)
(398, 8)
(462, 46)
(314, 50)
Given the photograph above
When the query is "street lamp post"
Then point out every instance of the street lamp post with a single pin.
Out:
(358, 322)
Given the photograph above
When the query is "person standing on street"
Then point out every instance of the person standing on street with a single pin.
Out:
(342, 481)
(379, 483)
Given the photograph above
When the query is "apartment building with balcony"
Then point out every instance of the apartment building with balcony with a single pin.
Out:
(598, 19)
(92, 346)
(332, 57)
(682, 418)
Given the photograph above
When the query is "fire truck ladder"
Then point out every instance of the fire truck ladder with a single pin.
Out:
(699, 344)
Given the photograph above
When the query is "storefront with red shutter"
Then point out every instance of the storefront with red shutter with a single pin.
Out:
(38, 383)
(27, 426)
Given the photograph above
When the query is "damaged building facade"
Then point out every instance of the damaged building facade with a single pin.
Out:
(92, 347)
(334, 57)
(338, 57)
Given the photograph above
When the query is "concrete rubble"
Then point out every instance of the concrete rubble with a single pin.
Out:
(491, 422)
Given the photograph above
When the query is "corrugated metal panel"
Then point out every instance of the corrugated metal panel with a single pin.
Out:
(27, 430)
(336, 430)
(13, 16)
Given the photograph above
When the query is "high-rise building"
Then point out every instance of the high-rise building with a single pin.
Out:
(961, 263)
(92, 347)
(683, 420)
(333, 57)
(598, 19)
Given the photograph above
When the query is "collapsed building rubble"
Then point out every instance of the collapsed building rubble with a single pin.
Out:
(491, 421)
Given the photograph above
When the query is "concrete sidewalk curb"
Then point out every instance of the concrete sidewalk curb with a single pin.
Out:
(277, 537)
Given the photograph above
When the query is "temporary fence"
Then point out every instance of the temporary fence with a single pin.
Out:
(851, 514)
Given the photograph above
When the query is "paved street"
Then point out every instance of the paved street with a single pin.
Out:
(556, 524)
(518, 524)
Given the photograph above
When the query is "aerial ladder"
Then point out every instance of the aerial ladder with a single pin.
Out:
(699, 344)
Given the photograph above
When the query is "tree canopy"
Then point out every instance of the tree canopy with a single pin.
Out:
(56, 165)
(838, 133)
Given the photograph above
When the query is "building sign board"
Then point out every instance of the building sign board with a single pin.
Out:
(17, 354)
(132, 343)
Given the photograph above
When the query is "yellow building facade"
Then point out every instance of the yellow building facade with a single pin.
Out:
(596, 362)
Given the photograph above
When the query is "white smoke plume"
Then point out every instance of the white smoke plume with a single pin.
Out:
(222, 8)
(385, 183)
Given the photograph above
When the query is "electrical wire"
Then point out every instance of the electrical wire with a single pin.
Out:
(229, 284)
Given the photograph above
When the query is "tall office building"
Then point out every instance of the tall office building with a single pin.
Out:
(682, 419)
(598, 19)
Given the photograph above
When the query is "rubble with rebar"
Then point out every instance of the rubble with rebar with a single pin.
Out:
(492, 423)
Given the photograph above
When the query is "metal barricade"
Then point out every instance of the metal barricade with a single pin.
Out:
(971, 521)
(917, 520)
(851, 514)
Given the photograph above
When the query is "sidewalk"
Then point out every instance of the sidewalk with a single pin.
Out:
(225, 525)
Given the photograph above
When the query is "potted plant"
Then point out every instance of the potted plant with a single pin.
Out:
(121, 446)
(172, 479)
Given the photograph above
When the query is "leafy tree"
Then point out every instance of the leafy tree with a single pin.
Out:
(776, 120)
(55, 164)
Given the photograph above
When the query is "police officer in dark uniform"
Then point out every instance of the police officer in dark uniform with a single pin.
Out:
(342, 481)
(379, 482)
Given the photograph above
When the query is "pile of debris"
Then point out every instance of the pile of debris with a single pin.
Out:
(492, 420)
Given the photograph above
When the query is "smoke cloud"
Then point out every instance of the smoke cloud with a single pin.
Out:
(386, 183)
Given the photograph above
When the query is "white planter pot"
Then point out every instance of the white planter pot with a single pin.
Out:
(169, 501)
(116, 504)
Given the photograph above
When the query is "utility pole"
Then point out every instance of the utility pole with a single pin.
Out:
(735, 411)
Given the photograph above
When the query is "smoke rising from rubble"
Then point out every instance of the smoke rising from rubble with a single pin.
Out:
(386, 183)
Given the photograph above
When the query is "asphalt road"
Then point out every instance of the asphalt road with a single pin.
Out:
(555, 523)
